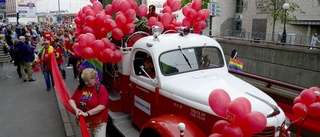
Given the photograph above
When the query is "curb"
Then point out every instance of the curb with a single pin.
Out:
(65, 118)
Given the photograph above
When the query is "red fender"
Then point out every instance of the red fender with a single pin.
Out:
(167, 126)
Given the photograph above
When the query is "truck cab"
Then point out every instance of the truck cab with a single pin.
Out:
(164, 80)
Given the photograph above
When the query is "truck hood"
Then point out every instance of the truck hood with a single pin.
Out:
(196, 88)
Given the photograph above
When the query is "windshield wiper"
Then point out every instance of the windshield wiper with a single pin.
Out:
(185, 58)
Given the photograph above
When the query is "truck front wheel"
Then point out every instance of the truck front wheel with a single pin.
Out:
(149, 132)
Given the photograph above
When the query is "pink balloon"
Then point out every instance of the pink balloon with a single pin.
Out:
(175, 5)
(97, 6)
(129, 28)
(116, 5)
(135, 6)
(308, 97)
(164, 4)
(314, 88)
(300, 109)
(215, 135)
(101, 12)
(130, 15)
(117, 33)
(167, 9)
(166, 19)
(254, 123)
(207, 13)
(108, 10)
(87, 53)
(124, 6)
(121, 20)
(201, 15)
(219, 125)
(169, 2)
(90, 21)
(142, 10)
(245, 102)
(236, 112)
(297, 100)
(97, 46)
(314, 109)
(196, 5)
(92, 1)
(117, 56)
(152, 21)
(232, 131)
(219, 101)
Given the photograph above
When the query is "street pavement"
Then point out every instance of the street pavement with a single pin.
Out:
(28, 110)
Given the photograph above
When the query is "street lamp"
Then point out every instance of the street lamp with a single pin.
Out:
(285, 6)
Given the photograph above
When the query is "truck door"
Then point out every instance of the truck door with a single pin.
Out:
(143, 88)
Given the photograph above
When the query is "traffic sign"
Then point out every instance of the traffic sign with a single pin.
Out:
(215, 9)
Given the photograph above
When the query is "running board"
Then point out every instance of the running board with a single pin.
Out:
(122, 122)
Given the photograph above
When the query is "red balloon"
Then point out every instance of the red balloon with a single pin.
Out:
(101, 32)
(135, 6)
(308, 97)
(79, 14)
(78, 21)
(130, 15)
(108, 9)
(215, 135)
(83, 41)
(300, 109)
(77, 49)
(92, 1)
(90, 37)
(117, 56)
(254, 123)
(101, 12)
(192, 14)
(142, 10)
(121, 20)
(115, 5)
(245, 102)
(236, 112)
(87, 53)
(90, 12)
(97, 46)
(159, 24)
(201, 15)
(164, 4)
(186, 22)
(106, 42)
(314, 88)
(207, 13)
(108, 54)
(152, 21)
(197, 27)
(219, 125)
(232, 131)
(99, 18)
(84, 9)
(97, 6)
(90, 21)
(219, 101)
(167, 9)
(124, 6)
(113, 47)
(196, 5)
(185, 10)
(117, 33)
(110, 24)
(166, 19)
(88, 29)
(297, 100)
(175, 5)
(314, 109)
(129, 28)
(169, 2)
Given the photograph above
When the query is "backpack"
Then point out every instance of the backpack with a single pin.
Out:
(16, 54)
(98, 87)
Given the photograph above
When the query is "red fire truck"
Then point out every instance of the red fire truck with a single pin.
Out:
(161, 86)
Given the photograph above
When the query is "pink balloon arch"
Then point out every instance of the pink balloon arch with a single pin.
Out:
(239, 119)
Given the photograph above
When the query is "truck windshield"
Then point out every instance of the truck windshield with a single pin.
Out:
(173, 62)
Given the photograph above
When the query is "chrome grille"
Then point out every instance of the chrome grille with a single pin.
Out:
(267, 132)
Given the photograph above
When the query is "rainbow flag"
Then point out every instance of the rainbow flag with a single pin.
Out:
(91, 63)
(235, 64)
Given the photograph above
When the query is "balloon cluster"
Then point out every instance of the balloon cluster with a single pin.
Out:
(240, 120)
(308, 102)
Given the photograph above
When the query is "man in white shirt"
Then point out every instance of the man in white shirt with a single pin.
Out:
(314, 40)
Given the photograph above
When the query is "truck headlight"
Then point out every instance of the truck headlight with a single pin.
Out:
(286, 123)
(156, 31)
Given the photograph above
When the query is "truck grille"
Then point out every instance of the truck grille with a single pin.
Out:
(267, 132)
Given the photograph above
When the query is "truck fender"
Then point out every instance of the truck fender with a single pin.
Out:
(167, 126)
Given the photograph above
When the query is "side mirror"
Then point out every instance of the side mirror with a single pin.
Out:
(137, 63)
(234, 53)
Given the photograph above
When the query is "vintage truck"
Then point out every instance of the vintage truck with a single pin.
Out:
(174, 99)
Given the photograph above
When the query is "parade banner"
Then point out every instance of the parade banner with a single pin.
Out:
(26, 8)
